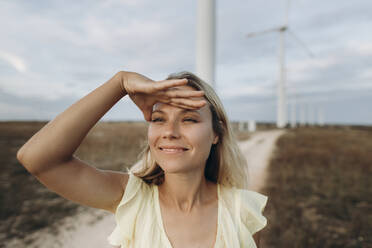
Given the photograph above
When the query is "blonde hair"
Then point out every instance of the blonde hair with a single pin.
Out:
(225, 165)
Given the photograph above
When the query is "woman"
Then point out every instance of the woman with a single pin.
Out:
(189, 190)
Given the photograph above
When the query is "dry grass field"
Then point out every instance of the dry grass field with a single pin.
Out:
(320, 189)
(25, 204)
(319, 183)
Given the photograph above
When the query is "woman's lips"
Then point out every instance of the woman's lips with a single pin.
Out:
(172, 150)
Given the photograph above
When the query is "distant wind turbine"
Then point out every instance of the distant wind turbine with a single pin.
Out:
(281, 120)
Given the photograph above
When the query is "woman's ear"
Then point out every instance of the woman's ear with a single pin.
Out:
(216, 138)
(215, 141)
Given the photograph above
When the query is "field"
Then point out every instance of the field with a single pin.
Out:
(25, 204)
(319, 183)
(320, 189)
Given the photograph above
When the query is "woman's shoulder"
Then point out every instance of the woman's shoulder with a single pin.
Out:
(247, 206)
(252, 198)
(251, 210)
(135, 190)
(135, 201)
(244, 195)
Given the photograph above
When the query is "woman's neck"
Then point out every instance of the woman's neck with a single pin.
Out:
(185, 192)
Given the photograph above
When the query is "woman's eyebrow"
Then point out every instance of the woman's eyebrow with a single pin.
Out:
(158, 111)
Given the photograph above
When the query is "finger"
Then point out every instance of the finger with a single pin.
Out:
(184, 93)
(147, 114)
(179, 94)
(188, 102)
(182, 102)
(162, 85)
(163, 99)
(166, 98)
(183, 106)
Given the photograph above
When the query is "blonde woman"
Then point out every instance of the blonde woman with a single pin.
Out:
(189, 189)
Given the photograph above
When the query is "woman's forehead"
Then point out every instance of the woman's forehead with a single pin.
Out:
(164, 107)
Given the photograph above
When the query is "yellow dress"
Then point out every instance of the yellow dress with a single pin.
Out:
(139, 223)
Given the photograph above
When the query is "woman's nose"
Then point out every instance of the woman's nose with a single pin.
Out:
(171, 130)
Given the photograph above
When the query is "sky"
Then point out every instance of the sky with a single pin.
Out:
(53, 53)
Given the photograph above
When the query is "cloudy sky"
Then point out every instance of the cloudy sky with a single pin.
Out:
(54, 52)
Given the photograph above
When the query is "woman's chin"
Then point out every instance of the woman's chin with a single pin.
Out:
(170, 168)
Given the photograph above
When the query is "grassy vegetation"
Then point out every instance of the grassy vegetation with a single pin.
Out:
(319, 183)
(320, 189)
(25, 204)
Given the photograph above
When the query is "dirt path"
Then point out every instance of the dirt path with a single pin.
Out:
(258, 150)
(91, 227)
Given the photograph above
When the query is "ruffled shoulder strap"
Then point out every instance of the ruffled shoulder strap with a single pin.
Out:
(252, 205)
(136, 192)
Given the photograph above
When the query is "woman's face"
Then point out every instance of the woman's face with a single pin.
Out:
(180, 139)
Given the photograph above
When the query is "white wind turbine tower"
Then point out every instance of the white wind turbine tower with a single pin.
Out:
(206, 40)
(281, 120)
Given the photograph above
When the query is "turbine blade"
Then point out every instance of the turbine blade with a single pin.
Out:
(299, 41)
(253, 34)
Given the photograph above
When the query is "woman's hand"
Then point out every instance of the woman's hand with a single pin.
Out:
(145, 92)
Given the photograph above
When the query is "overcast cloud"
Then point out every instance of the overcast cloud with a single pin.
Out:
(54, 52)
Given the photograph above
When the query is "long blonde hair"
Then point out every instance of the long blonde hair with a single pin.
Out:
(225, 165)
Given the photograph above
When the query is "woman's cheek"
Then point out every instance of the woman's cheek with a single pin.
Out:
(151, 135)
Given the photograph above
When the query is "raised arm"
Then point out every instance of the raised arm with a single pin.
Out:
(48, 155)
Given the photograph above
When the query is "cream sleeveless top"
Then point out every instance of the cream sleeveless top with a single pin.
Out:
(139, 223)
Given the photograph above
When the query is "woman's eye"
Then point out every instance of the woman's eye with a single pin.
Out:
(190, 120)
(156, 120)
(186, 120)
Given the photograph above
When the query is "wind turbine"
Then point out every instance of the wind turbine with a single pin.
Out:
(206, 40)
(281, 120)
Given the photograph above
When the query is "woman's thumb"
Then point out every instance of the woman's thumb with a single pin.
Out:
(147, 114)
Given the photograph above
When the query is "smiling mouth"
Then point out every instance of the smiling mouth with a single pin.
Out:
(173, 150)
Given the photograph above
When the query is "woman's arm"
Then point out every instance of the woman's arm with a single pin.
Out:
(48, 155)
(256, 238)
